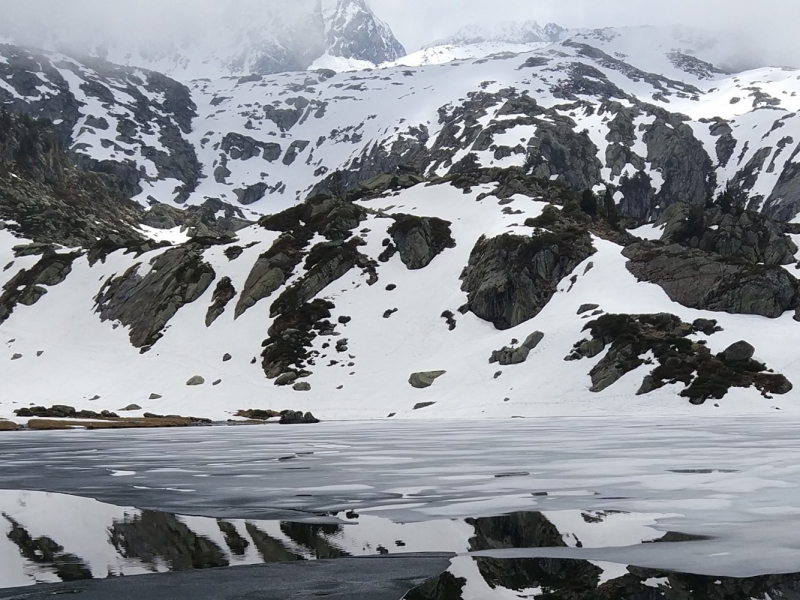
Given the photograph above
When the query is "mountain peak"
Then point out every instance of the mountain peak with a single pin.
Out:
(354, 32)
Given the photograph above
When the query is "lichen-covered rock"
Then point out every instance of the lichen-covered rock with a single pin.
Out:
(698, 279)
(511, 278)
(420, 239)
(424, 379)
(146, 303)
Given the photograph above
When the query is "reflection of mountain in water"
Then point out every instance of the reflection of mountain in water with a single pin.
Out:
(78, 531)
(565, 579)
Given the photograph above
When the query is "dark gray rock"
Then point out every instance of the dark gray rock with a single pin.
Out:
(732, 233)
(510, 355)
(510, 278)
(145, 304)
(131, 407)
(295, 148)
(424, 379)
(155, 397)
(420, 239)
(587, 307)
(533, 340)
(740, 351)
(252, 193)
(302, 386)
(421, 405)
(287, 378)
(697, 279)
(223, 293)
(195, 380)
(295, 417)
(226, 357)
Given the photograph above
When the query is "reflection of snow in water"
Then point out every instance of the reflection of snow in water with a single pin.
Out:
(109, 540)
(734, 480)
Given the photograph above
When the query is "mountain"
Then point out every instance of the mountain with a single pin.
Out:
(508, 32)
(230, 37)
(602, 224)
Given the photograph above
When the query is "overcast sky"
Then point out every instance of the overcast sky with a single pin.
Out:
(419, 22)
(416, 22)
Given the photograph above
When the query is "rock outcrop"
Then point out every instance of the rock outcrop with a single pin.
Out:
(663, 340)
(146, 303)
(709, 281)
(420, 239)
(510, 278)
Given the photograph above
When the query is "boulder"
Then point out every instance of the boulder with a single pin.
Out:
(287, 378)
(533, 340)
(195, 380)
(131, 407)
(740, 351)
(302, 386)
(424, 379)
(510, 356)
(510, 278)
(420, 239)
(155, 397)
(296, 417)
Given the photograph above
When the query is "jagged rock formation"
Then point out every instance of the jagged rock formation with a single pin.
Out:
(47, 199)
(420, 239)
(510, 278)
(707, 281)
(145, 303)
(630, 339)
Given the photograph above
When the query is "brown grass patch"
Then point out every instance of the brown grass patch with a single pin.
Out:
(128, 423)
(8, 426)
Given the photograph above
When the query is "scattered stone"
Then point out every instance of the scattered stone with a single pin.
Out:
(498, 374)
(389, 313)
(16, 357)
(391, 287)
(39, 353)
(423, 405)
(391, 415)
(226, 357)
(302, 386)
(424, 379)
(131, 407)
(155, 397)
(217, 382)
(195, 380)
(258, 414)
(344, 320)
(93, 398)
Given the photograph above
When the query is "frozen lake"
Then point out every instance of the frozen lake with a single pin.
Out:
(723, 494)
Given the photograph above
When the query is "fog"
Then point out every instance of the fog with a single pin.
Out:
(769, 24)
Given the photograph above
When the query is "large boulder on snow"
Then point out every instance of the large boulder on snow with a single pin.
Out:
(510, 278)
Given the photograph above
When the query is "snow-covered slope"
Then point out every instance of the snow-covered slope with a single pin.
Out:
(542, 127)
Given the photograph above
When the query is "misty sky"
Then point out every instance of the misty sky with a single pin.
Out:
(419, 22)
(416, 22)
